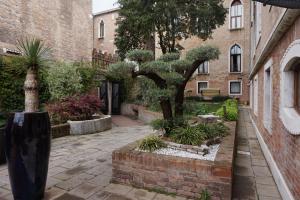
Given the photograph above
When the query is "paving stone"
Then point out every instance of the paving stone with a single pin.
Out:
(74, 182)
(101, 180)
(257, 162)
(53, 193)
(261, 171)
(7, 197)
(4, 192)
(101, 195)
(139, 194)
(118, 189)
(265, 181)
(267, 191)
(166, 197)
(52, 181)
(67, 196)
(244, 188)
(268, 198)
(117, 197)
(85, 190)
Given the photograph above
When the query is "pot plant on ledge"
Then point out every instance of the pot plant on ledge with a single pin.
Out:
(28, 133)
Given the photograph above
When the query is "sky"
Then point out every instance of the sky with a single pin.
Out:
(101, 5)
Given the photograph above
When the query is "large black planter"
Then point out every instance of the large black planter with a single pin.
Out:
(28, 139)
(2, 153)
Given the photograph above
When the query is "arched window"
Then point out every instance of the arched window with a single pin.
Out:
(236, 59)
(236, 15)
(101, 29)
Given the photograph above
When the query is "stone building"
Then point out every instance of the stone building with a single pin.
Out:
(228, 74)
(105, 30)
(275, 92)
(65, 25)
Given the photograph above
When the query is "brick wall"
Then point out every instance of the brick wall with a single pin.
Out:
(65, 25)
(183, 176)
(283, 146)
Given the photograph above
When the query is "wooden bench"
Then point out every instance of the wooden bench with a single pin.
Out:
(208, 94)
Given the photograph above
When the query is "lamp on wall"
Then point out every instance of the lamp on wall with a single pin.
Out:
(292, 4)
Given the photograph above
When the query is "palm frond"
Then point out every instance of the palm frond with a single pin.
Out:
(34, 51)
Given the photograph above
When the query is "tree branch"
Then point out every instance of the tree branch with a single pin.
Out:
(160, 82)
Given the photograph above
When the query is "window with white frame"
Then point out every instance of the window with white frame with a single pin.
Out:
(101, 29)
(235, 87)
(236, 15)
(202, 85)
(255, 95)
(268, 96)
(236, 59)
(203, 68)
(290, 89)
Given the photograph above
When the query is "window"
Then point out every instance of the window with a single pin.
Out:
(236, 15)
(101, 29)
(235, 88)
(203, 68)
(297, 88)
(202, 85)
(236, 59)
(268, 96)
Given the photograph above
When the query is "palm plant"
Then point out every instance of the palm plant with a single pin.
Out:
(34, 51)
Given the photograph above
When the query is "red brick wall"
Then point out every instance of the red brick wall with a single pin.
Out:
(284, 147)
(183, 176)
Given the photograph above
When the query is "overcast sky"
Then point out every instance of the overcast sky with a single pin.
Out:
(101, 5)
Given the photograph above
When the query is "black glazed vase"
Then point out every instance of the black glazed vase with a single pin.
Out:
(27, 148)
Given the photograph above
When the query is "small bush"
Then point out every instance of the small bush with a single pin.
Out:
(220, 98)
(167, 125)
(76, 108)
(194, 98)
(212, 131)
(188, 135)
(152, 143)
(231, 110)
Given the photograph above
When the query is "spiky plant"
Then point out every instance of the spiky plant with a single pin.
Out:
(34, 51)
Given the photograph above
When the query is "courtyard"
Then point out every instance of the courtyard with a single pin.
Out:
(80, 166)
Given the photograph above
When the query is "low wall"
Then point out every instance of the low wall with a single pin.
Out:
(60, 130)
(183, 176)
(90, 126)
(2, 151)
(140, 112)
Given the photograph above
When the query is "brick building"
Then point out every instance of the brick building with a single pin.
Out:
(65, 25)
(229, 73)
(105, 31)
(275, 92)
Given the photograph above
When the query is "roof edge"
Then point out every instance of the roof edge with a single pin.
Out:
(106, 11)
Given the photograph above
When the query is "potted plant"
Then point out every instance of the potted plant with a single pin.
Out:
(28, 133)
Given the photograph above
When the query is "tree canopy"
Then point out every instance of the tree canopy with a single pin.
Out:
(171, 20)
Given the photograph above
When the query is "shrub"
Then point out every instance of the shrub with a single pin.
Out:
(194, 98)
(188, 135)
(76, 108)
(211, 131)
(88, 76)
(205, 195)
(220, 98)
(168, 125)
(12, 77)
(64, 80)
(152, 143)
(231, 106)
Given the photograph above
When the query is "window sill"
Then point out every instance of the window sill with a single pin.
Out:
(235, 94)
(236, 29)
(290, 119)
(203, 74)
(235, 72)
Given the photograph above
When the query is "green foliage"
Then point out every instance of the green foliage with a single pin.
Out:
(194, 98)
(88, 75)
(34, 51)
(120, 70)
(188, 135)
(181, 65)
(172, 20)
(64, 80)
(168, 125)
(2, 121)
(170, 57)
(231, 106)
(155, 66)
(203, 53)
(12, 76)
(194, 108)
(152, 143)
(213, 130)
(220, 98)
(140, 56)
(205, 195)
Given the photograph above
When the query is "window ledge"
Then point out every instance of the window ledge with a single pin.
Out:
(236, 29)
(235, 72)
(290, 119)
(203, 73)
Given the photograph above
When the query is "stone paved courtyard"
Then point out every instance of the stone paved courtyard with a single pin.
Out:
(80, 166)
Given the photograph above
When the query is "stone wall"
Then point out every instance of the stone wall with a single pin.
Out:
(65, 25)
(182, 176)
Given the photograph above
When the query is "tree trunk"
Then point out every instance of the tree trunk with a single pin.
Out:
(31, 91)
(179, 99)
(166, 109)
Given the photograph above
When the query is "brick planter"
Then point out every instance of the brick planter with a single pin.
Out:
(60, 130)
(183, 176)
(2, 152)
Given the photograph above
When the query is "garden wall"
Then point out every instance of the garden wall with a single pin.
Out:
(140, 112)
(60, 130)
(183, 176)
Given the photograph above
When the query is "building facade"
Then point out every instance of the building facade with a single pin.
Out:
(275, 92)
(65, 25)
(229, 74)
(105, 30)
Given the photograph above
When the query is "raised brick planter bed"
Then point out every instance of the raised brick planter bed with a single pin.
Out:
(183, 176)
(60, 130)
